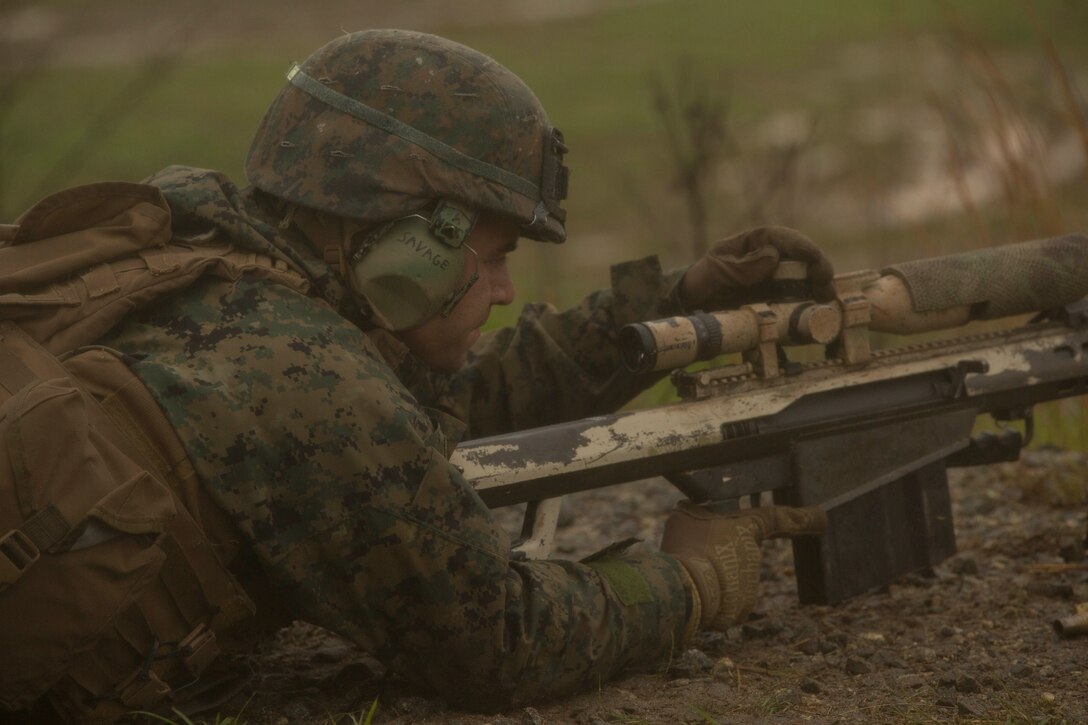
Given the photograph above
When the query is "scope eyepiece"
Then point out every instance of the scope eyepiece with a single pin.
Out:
(670, 343)
(638, 349)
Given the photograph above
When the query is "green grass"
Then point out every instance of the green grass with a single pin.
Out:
(200, 113)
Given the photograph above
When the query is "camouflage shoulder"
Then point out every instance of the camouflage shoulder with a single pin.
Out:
(190, 182)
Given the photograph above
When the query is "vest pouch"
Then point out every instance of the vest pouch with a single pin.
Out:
(79, 228)
(81, 535)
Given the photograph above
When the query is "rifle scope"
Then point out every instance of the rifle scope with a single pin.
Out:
(678, 341)
(939, 293)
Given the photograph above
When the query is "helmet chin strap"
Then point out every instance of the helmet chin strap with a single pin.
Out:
(459, 294)
(328, 235)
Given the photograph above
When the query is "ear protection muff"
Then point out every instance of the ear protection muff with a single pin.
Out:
(414, 268)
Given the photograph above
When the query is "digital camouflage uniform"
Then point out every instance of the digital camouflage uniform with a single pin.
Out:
(329, 447)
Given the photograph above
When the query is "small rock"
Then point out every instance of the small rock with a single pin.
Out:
(946, 681)
(711, 641)
(947, 631)
(839, 639)
(1022, 670)
(888, 660)
(911, 680)
(964, 566)
(759, 631)
(529, 716)
(857, 666)
(812, 687)
(968, 684)
(924, 654)
(1049, 697)
(872, 636)
(965, 708)
(945, 702)
(680, 682)
(691, 664)
(332, 651)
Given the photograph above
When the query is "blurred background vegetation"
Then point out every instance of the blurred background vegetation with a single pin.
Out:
(885, 129)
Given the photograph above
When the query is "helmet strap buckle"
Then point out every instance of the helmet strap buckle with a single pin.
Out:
(333, 255)
(452, 223)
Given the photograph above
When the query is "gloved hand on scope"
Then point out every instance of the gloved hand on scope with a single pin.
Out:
(721, 553)
(734, 270)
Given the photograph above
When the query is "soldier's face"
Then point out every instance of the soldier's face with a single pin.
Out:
(442, 343)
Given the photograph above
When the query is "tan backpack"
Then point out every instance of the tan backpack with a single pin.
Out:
(114, 587)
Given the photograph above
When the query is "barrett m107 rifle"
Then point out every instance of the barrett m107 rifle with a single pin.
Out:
(865, 433)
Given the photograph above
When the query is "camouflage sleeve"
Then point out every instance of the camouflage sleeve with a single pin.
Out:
(553, 366)
(340, 482)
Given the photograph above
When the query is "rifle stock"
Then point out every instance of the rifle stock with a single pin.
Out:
(865, 433)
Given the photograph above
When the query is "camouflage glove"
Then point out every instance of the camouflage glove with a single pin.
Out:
(731, 273)
(721, 553)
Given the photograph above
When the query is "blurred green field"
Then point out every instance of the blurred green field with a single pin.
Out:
(831, 69)
(591, 72)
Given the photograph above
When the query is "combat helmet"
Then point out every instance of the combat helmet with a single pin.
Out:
(380, 124)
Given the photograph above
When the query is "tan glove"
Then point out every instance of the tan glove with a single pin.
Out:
(734, 268)
(721, 553)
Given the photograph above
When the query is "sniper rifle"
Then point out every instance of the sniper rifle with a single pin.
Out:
(866, 432)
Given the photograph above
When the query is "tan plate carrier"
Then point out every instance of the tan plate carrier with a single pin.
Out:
(114, 586)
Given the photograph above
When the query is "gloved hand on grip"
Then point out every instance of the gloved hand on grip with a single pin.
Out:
(721, 553)
(733, 268)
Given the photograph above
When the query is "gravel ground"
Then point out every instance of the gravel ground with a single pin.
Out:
(971, 641)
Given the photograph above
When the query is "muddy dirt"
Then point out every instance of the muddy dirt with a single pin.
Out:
(970, 641)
